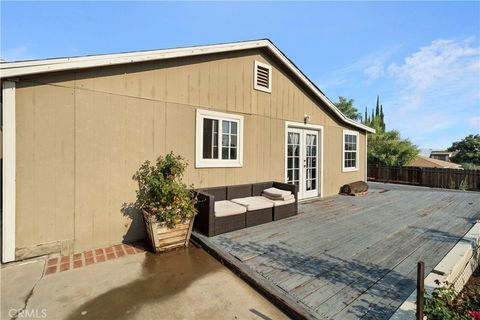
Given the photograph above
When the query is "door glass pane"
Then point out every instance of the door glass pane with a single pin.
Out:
(311, 162)
(296, 150)
(309, 185)
(293, 157)
(293, 138)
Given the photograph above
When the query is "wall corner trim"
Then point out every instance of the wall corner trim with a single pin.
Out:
(366, 156)
(8, 169)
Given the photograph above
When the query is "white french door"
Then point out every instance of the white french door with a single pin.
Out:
(302, 161)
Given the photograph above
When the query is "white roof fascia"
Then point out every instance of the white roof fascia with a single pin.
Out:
(22, 68)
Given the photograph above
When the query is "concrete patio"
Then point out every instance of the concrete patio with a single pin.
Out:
(351, 257)
(184, 284)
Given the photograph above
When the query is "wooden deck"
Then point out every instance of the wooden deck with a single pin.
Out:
(352, 257)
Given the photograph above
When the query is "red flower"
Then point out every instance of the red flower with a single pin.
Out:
(475, 315)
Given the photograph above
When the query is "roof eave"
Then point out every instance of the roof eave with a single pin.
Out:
(22, 68)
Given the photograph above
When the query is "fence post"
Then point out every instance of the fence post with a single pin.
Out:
(420, 289)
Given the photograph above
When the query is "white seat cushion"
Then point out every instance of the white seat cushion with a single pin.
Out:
(254, 203)
(228, 208)
(278, 203)
(276, 193)
(287, 197)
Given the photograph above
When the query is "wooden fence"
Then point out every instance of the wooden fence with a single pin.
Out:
(428, 177)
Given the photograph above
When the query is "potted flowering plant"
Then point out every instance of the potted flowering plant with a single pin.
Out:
(166, 203)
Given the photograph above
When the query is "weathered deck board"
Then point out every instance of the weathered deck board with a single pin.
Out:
(355, 257)
(426, 250)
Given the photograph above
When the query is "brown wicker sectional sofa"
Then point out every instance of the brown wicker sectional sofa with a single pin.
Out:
(247, 209)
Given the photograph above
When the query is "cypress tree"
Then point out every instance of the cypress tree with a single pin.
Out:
(377, 107)
(382, 119)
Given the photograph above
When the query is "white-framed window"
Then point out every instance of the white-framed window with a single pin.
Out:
(350, 151)
(262, 77)
(219, 139)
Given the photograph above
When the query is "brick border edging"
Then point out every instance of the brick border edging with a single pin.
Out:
(86, 258)
(282, 301)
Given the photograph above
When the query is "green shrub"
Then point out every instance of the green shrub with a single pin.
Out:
(443, 304)
(161, 191)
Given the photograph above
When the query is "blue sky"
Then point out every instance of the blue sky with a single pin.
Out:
(422, 58)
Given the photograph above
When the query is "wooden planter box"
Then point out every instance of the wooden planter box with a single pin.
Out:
(162, 238)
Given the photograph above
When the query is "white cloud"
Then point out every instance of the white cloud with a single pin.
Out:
(373, 66)
(376, 68)
(430, 95)
(437, 89)
(375, 71)
(442, 68)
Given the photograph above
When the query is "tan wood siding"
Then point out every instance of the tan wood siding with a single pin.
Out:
(45, 164)
(82, 135)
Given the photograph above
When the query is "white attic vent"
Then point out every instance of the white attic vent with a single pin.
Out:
(262, 77)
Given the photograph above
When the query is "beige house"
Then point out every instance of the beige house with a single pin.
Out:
(442, 155)
(75, 130)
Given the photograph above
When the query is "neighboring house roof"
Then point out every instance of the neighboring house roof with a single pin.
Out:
(22, 68)
(421, 161)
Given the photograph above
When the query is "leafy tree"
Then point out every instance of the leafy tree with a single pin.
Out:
(347, 108)
(388, 148)
(468, 150)
(470, 166)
